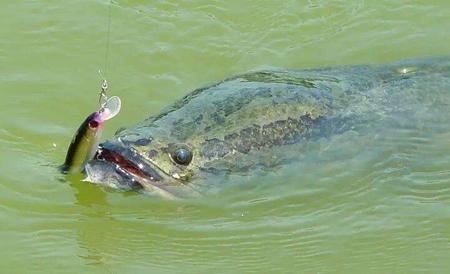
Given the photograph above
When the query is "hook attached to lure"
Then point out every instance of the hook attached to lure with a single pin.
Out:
(86, 139)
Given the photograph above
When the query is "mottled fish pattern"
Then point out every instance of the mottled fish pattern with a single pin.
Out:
(264, 110)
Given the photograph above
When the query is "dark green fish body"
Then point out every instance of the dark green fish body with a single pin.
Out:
(242, 122)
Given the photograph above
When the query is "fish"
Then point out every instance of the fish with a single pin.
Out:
(261, 118)
(86, 139)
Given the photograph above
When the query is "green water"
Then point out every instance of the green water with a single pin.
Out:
(378, 204)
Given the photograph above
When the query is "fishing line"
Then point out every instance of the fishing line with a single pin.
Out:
(104, 86)
(108, 35)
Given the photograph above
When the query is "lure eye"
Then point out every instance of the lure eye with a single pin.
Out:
(182, 156)
(93, 124)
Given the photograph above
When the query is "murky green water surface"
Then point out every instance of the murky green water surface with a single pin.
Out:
(375, 203)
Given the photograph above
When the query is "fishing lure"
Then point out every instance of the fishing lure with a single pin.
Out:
(87, 137)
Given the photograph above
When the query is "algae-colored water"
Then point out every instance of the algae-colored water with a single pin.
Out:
(377, 203)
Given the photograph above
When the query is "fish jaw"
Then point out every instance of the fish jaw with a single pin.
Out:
(106, 174)
(123, 168)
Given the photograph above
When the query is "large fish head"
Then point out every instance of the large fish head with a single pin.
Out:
(145, 159)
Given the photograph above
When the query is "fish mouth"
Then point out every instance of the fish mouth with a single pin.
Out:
(126, 162)
(123, 168)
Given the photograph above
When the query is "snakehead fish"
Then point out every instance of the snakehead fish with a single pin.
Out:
(235, 125)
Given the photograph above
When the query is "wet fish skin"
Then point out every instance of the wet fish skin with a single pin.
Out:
(260, 112)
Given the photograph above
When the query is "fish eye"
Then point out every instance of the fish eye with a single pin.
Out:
(93, 124)
(182, 156)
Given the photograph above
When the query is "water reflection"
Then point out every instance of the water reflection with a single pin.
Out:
(94, 221)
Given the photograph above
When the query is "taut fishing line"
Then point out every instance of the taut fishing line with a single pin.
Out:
(104, 86)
